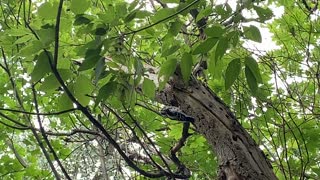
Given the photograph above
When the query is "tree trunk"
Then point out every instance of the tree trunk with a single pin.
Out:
(239, 156)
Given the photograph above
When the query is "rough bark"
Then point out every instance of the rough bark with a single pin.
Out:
(238, 155)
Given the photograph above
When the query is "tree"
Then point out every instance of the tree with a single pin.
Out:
(158, 89)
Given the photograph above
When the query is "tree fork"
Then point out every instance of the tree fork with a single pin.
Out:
(238, 155)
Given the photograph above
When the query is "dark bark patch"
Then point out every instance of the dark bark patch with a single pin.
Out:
(234, 137)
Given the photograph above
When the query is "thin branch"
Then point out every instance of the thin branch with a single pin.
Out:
(14, 121)
(20, 103)
(57, 31)
(162, 20)
(10, 144)
(42, 114)
(44, 135)
(185, 134)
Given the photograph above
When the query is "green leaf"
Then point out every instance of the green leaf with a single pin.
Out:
(130, 17)
(206, 46)
(32, 48)
(121, 10)
(215, 31)
(222, 47)
(252, 33)
(232, 72)
(204, 13)
(110, 16)
(82, 88)
(106, 91)
(162, 14)
(64, 102)
(82, 19)
(263, 13)
(133, 5)
(233, 37)
(46, 35)
(18, 32)
(169, 51)
(166, 70)
(24, 39)
(50, 83)
(42, 67)
(47, 7)
(79, 6)
(224, 10)
(100, 29)
(251, 80)
(186, 66)
(91, 58)
(175, 27)
(100, 67)
(254, 67)
(148, 88)
(141, 14)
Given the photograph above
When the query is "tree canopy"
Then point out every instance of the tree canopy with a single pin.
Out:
(82, 85)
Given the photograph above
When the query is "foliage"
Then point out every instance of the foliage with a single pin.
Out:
(77, 100)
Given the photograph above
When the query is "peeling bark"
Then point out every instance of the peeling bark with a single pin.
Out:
(238, 155)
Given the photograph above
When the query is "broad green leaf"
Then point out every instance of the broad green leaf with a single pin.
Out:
(100, 67)
(263, 13)
(130, 17)
(100, 29)
(186, 66)
(110, 16)
(221, 48)
(82, 88)
(204, 13)
(205, 46)
(24, 39)
(254, 67)
(166, 70)
(64, 102)
(32, 48)
(212, 63)
(233, 37)
(42, 67)
(18, 32)
(106, 91)
(162, 14)
(214, 31)
(169, 51)
(224, 10)
(91, 58)
(232, 72)
(121, 10)
(175, 27)
(251, 80)
(252, 33)
(46, 35)
(133, 5)
(148, 88)
(79, 6)
(50, 83)
(47, 7)
(82, 19)
(141, 14)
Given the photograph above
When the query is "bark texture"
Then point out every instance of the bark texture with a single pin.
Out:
(239, 156)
